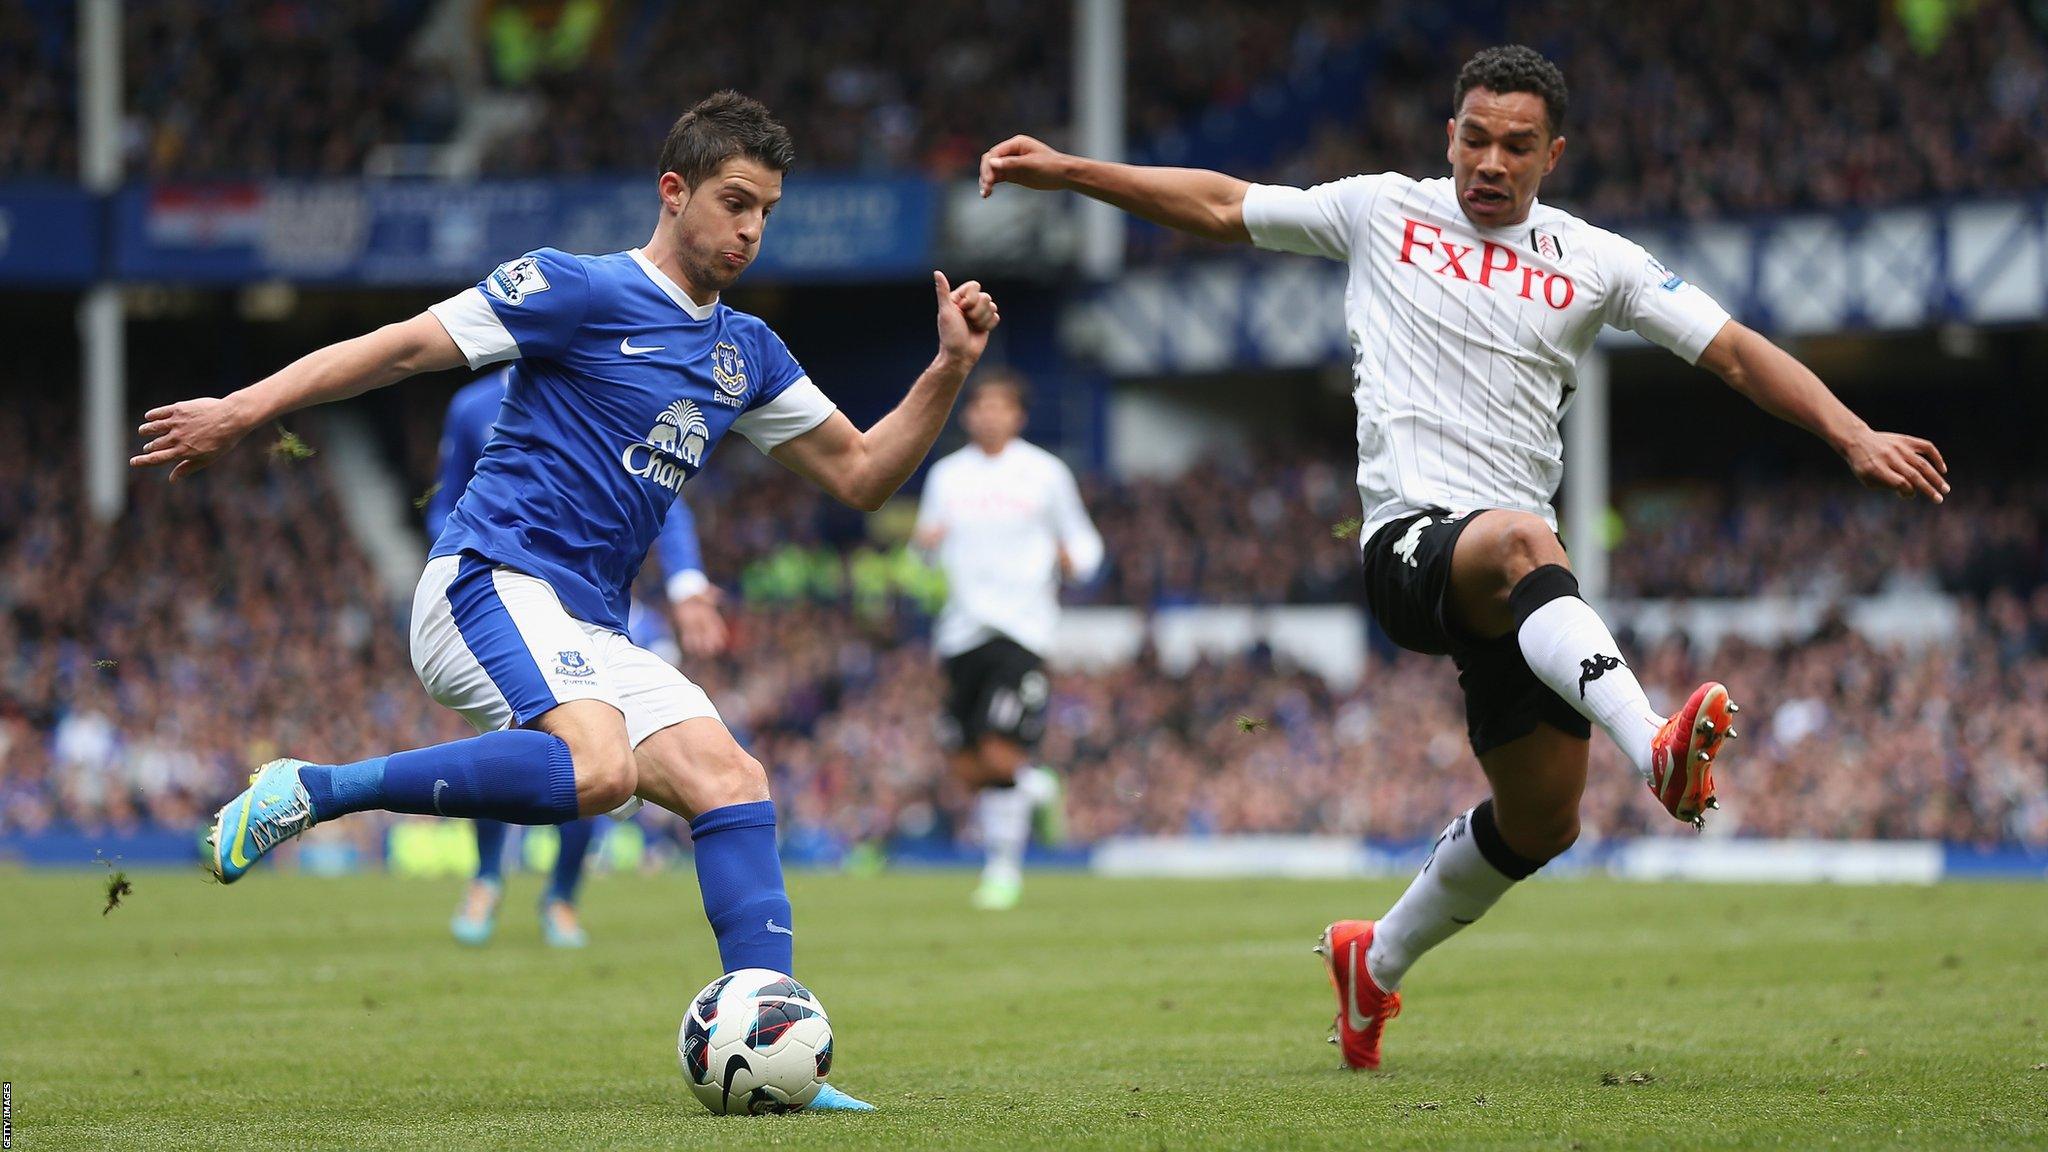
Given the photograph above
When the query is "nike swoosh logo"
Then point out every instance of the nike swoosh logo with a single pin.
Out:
(1359, 1021)
(438, 786)
(235, 844)
(626, 346)
(733, 1067)
(774, 927)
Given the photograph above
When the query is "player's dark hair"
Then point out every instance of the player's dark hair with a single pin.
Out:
(1515, 68)
(1004, 379)
(720, 127)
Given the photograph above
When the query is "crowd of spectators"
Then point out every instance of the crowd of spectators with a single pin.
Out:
(1842, 738)
(1685, 109)
(1697, 109)
(145, 665)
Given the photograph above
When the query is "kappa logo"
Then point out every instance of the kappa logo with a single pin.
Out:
(1411, 540)
(571, 663)
(515, 281)
(729, 372)
(674, 447)
(1593, 668)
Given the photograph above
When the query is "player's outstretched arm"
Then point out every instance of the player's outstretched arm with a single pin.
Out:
(1194, 200)
(1789, 390)
(864, 469)
(190, 433)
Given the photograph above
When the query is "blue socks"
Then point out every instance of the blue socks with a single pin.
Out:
(575, 836)
(521, 776)
(740, 875)
(490, 849)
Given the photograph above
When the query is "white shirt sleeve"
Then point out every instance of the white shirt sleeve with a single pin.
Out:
(1651, 299)
(1077, 534)
(685, 584)
(931, 503)
(475, 328)
(801, 407)
(1318, 221)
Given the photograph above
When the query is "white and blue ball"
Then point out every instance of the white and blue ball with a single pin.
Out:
(755, 1041)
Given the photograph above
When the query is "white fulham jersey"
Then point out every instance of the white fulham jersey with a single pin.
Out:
(1005, 519)
(1466, 340)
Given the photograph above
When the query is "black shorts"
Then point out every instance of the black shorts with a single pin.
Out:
(996, 689)
(1407, 586)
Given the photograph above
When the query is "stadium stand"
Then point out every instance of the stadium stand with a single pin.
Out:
(1657, 130)
(113, 713)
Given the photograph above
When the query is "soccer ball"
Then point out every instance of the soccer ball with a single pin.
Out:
(755, 1041)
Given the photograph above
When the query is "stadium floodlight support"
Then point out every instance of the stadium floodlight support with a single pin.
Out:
(1587, 475)
(1099, 78)
(101, 330)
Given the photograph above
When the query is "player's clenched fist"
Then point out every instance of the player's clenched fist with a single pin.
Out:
(1022, 160)
(966, 315)
(189, 433)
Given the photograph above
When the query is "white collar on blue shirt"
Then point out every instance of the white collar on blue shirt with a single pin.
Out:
(671, 289)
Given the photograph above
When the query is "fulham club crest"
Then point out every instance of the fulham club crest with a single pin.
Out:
(1547, 245)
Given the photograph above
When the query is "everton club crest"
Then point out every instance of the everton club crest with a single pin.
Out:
(729, 372)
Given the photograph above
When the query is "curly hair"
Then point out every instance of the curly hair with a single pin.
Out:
(720, 127)
(1515, 68)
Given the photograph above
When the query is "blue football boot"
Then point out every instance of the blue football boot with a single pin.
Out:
(273, 809)
(478, 916)
(830, 1099)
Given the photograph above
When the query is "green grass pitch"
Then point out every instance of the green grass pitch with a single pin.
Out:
(292, 1012)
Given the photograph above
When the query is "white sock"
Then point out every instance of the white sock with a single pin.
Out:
(1572, 652)
(1455, 887)
(1038, 782)
(1005, 815)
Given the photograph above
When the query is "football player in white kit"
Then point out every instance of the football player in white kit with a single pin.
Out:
(1005, 520)
(1468, 304)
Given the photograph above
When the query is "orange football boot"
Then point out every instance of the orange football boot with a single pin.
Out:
(1683, 756)
(1362, 1009)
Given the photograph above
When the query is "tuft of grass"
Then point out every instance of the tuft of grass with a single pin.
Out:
(1347, 529)
(288, 446)
(420, 502)
(117, 884)
(1251, 724)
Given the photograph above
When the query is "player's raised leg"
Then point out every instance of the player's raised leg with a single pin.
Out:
(574, 760)
(1509, 573)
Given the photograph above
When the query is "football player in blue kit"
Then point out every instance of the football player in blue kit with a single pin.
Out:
(700, 630)
(627, 371)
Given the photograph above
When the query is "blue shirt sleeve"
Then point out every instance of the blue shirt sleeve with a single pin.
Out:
(676, 548)
(471, 414)
(541, 299)
(778, 367)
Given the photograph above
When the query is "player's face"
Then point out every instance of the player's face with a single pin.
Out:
(993, 417)
(1501, 149)
(719, 222)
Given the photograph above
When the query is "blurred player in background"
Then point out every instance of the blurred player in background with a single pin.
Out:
(1469, 304)
(628, 372)
(1005, 520)
(693, 611)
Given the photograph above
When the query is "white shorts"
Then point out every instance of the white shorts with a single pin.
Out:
(496, 645)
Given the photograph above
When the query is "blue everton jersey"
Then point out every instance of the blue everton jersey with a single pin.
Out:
(621, 388)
